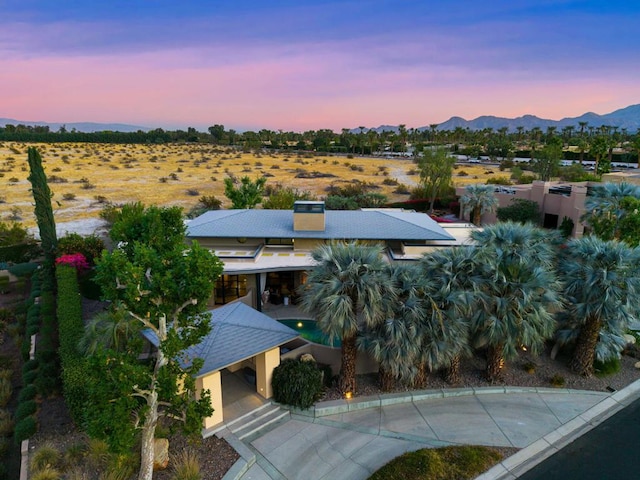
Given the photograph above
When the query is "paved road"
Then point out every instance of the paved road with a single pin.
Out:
(609, 451)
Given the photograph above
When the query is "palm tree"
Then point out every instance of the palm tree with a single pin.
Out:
(348, 291)
(517, 288)
(603, 208)
(114, 329)
(449, 288)
(601, 282)
(479, 199)
(394, 343)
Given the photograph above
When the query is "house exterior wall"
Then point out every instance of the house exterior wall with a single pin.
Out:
(213, 383)
(266, 362)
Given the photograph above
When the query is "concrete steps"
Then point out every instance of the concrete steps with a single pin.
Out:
(255, 421)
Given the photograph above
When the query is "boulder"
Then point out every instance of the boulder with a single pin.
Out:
(630, 339)
(307, 357)
(160, 453)
(637, 365)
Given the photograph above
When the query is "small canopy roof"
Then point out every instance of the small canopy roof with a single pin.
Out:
(238, 332)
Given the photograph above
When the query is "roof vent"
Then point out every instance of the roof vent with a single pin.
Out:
(308, 216)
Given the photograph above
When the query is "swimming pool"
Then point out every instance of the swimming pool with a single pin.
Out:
(309, 330)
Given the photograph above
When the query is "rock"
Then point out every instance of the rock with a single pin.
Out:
(630, 339)
(307, 357)
(637, 365)
(160, 453)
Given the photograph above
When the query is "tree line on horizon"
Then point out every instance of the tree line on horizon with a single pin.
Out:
(580, 142)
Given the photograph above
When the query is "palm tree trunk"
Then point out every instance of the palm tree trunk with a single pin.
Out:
(584, 353)
(477, 216)
(387, 380)
(452, 375)
(495, 362)
(348, 368)
(420, 380)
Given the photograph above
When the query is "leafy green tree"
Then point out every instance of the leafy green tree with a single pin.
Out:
(164, 286)
(436, 170)
(521, 211)
(348, 292)
(517, 287)
(601, 283)
(547, 164)
(246, 193)
(43, 210)
(477, 200)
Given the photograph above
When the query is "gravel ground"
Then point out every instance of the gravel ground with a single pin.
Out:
(516, 373)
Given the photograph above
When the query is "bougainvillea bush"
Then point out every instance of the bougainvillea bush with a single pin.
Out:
(76, 260)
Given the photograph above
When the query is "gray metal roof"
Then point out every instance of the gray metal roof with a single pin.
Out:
(237, 332)
(374, 224)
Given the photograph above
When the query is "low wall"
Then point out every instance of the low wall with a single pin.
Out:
(328, 356)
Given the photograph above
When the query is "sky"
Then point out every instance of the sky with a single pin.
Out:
(306, 65)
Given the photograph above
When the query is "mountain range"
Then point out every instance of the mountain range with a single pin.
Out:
(625, 118)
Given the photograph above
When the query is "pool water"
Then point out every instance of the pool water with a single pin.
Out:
(308, 329)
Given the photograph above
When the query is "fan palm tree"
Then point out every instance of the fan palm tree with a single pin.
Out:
(394, 343)
(348, 291)
(517, 287)
(479, 199)
(113, 329)
(604, 209)
(601, 280)
(448, 283)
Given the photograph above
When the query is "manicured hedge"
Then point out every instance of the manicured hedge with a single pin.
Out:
(297, 383)
(71, 328)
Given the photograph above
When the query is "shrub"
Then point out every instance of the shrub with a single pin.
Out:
(26, 409)
(608, 367)
(557, 380)
(24, 429)
(90, 246)
(23, 269)
(5, 392)
(297, 383)
(47, 456)
(6, 423)
(186, 467)
(69, 196)
(498, 181)
(520, 210)
(75, 260)
(47, 473)
(526, 179)
(27, 393)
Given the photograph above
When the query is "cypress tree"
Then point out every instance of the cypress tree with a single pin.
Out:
(43, 210)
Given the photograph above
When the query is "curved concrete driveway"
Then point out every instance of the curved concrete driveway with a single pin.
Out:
(352, 439)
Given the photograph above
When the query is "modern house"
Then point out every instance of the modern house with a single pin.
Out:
(270, 250)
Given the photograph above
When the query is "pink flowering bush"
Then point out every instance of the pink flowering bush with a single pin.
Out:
(76, 260)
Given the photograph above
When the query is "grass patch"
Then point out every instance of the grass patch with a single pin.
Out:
(447, 463)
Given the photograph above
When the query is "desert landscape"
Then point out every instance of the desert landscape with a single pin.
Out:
(84, 177)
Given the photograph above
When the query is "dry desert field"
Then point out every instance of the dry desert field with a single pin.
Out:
(84, 176)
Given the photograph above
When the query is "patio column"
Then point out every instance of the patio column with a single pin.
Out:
(265, 363)
(213, 383)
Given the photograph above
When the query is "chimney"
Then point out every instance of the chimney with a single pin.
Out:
(308, 216)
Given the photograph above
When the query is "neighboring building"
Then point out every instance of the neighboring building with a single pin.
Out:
(270, 250)
(555, 199)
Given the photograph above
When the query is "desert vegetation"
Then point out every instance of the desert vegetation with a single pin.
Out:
(84, 177)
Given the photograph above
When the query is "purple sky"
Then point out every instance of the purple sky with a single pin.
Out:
(307, 65)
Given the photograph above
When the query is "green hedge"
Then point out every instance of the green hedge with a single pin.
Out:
(71, 329)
